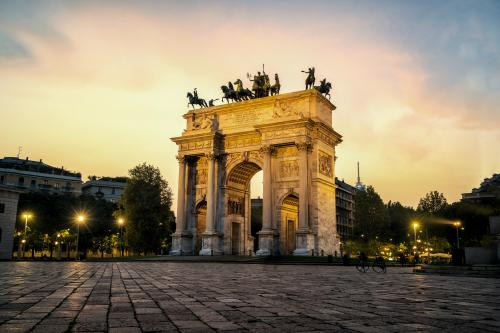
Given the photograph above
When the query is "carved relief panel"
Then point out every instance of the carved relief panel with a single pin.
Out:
(325, 164)
(289, 168)
(236, 206)
(201, 171)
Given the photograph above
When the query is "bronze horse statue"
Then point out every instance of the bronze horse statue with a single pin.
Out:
(324, 88)
(196, 101)
(231, 94)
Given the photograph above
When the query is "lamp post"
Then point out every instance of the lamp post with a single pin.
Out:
(58, 243)
(79, 219)
(26, 217)
(120, 223)
(415, 225)
(457, 224)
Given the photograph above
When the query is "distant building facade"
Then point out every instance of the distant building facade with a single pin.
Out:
(107, 188)
(488, 191)
(344, 200)
(31, 175)
(9, 197)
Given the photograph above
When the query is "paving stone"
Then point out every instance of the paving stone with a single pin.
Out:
(205, 297)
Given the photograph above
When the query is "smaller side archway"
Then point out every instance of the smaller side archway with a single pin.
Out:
(289, 222)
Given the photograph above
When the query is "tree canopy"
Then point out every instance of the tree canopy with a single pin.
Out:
(371, 216)
(146, 207)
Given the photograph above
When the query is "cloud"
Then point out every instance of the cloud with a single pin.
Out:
(12, 49)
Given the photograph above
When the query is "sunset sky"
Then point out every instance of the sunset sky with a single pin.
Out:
(99, 87)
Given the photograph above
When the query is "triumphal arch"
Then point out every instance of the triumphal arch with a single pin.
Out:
(290, 137)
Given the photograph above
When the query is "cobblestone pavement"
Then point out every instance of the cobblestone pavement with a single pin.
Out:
(204, 297)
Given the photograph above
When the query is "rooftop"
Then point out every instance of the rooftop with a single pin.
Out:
(15, 163)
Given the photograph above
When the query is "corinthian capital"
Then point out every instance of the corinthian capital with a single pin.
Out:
(303, 146)
(180, 158)
(210, 156)
(267, 149)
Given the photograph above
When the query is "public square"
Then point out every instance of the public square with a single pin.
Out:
(204, 297)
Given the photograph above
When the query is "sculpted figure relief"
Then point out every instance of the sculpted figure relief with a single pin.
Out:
(325, 164)
(205, 122)
(289, 168)
(285, 109)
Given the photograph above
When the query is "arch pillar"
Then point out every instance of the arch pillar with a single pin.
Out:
(211, 239)
(305, 240)
(181, 239)
(266, 235)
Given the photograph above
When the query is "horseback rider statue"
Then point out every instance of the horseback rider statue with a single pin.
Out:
(310, 78)
(194, 99)
(324, 88)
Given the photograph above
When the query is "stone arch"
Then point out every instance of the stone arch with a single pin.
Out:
(285, 136)
(236, 224)
(288, 222)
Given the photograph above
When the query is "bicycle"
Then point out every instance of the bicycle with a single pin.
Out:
(362, 266)
(378, 266)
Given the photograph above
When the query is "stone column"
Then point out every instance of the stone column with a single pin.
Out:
(177, 246)
(210, 223)
(266, 234)
(302, 246)
(211, 244)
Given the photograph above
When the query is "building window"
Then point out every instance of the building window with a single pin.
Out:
(2, 207)
(56, 185)
(33, 183)
(113, 190)
(0, 235)
(21, 181)
(2, 178)
(46, 182)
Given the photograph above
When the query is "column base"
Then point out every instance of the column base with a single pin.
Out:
(305, 243)
(266, 242)
(182, 244)
(211, 245)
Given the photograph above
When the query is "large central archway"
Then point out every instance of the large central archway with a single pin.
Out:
(238, 238)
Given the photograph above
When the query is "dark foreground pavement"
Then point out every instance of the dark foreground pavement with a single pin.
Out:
(204, 297)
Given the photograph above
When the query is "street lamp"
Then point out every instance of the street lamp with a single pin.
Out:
(59, 244)
(415, 226)
(79, 219)
(457, 225)
(120, 223)
(26, 216)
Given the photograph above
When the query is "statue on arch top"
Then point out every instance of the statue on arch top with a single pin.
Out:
(310, 80)
(324, 88)
(195, 100)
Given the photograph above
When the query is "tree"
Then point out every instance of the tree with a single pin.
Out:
(372, 219)
(400, 219)
(145, 204)
(433, 203)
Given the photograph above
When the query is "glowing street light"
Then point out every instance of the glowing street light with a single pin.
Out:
(21, 248)
(79, 219)
(457, 225)
(121, 222)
